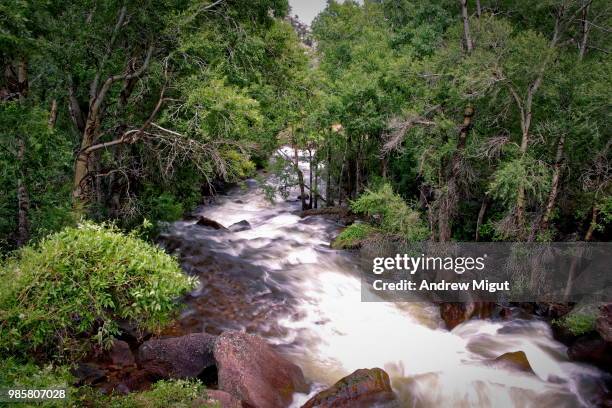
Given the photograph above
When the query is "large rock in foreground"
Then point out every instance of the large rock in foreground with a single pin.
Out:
(515, 360)
(363, 388)
(181, 357)
(249, 369)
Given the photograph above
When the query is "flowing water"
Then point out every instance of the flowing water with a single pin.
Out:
(280, 279)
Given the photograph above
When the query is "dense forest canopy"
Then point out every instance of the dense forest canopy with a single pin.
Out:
(488, 118)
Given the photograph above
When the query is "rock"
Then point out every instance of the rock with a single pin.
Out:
(131, 333)
(181, 357)
(252, 371)
(553, 310)
(363, 388)
(455, 313)
(224, 399)
(592, 349)
(515, 359)
(207, 222)
(88, 374)
(240, 226)
(603, 324)
(120, 354)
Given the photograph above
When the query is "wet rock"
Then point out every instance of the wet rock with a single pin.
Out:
(240, 226)
(363, 388)
(592, 349)
(603, 324)
(516, 360)
(88, 374)
(120, 354)
(455, 313)
(138, 379)
(222, 398)
(181, 357)
(207, 222)
(251, 370)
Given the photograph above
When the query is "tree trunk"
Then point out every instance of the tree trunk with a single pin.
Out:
(23, 200)
(22, 79)
(328, 189)
(75, 110)
(585, 30)
(542, 225)
(466, 26)
(450, 198)
(53, 114)
(310, 177)
(594, 213)
(300, 175)
(481, 215)
(478, 8)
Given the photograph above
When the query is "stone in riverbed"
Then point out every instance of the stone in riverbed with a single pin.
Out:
(207, 222)
(516, 360)
(363, 388)
(249, 369)
(455, 313)
(88, 374)
(240, 226)
(181, 357)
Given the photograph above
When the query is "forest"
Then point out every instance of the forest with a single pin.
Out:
(442, 120)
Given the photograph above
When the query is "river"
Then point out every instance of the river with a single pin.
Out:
(280, 279)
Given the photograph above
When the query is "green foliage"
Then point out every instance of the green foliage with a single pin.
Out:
(392, 213)
(353, 235)
(16, 375)
(163, 394)
(532, 175)
(577, 323)
(63, 295)
(47, 156)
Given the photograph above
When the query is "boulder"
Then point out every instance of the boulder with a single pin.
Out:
(592, 349)
(88, 374)
(207, 222)
(240, 226)
(515, 360)
(603, 324)
(120, 354)
(252, 371)
(455, 313)
(181, 357)
(222, 398)
(363, 388)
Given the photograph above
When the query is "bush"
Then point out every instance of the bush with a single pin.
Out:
(64, 295)
(392, 213)
(164, 394)
(577, 323)
(353, 235)
(30, 376)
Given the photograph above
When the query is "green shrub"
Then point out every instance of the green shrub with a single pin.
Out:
(163, 394)
(393, 214)
(62, 296)
(353, 235)
(577, 323)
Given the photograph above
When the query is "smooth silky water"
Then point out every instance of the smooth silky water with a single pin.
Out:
(281, 280)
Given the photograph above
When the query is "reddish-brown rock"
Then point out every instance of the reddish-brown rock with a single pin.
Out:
(207, 222)
(363, 388)
(224, 399)
(249, 369)
(120, 354)
(181, 357)
(455, 313)
(592, 349)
